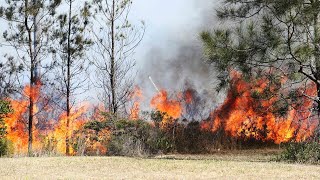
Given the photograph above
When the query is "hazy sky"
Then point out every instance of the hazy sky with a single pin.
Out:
(168, 21)
(170, 25)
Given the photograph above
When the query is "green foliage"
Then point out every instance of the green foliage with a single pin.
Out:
(97, 125)
(4, 110)
(93, 138)
(192, 139)
(270, 33)
(270, 39)
(157, 117)
(308, 152)
(6, 147)
(137, 138)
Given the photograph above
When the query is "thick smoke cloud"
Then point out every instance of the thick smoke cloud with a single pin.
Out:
(179, 64)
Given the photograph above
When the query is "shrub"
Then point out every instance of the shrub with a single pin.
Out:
(4, 144)
(137, 138)
(191, 139)
(307, 152)
(92, 139)
(6, 147)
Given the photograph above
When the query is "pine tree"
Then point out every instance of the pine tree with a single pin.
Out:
(71, 44)
(29, 23)
(278, 39)
(116, 40)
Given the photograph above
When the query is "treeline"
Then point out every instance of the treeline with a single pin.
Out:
(57, 45)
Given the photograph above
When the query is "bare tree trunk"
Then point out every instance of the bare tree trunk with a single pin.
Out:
(68, 81)
(118, 43)
(30, 120)
(32, 81)
(112, 71)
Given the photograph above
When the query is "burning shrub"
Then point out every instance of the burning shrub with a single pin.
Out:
(92, 139)
(307, 152)
(181, 137)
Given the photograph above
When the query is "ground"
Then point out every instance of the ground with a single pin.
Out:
(218, 166)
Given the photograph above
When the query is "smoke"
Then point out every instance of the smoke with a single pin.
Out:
(178, 64)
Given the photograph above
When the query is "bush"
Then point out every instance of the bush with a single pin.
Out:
(6, 147)
(137, 138)
(192, 139)
(92, 139)
(4, 144)
(307, 152)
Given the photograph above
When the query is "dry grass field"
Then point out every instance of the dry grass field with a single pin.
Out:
(221, 166)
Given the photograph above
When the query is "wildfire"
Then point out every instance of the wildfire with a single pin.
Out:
(188, 96)
(60, 132)
(16, 122)
(137, 97)
(17, 126)
(243, 116)
(171, 107)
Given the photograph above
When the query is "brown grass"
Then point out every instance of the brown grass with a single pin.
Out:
(221, 166)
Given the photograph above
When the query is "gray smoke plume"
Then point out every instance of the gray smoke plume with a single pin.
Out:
(180, 66)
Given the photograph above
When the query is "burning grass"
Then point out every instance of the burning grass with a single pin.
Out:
(205, 167)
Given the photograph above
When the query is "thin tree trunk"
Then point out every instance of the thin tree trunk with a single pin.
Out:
(112, 65)
(30, 121)
(32, 80)
(317, 64)
(68, 81)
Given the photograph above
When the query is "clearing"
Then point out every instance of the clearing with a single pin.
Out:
(219, 166)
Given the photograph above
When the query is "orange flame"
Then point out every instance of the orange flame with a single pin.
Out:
(137, 98)
(60, 131)
(17, 126)
(188, 96)
(171, 107)
(241, 115)
(16, 122)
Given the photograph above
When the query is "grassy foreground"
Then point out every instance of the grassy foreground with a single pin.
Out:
(192, 167)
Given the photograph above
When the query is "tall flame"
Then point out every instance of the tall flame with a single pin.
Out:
(17, 127)
(136, 97)
(243, 116)
(60, 131)
(171, 107)
(16, 123)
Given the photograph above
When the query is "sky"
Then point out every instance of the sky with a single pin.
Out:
(169, 21)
